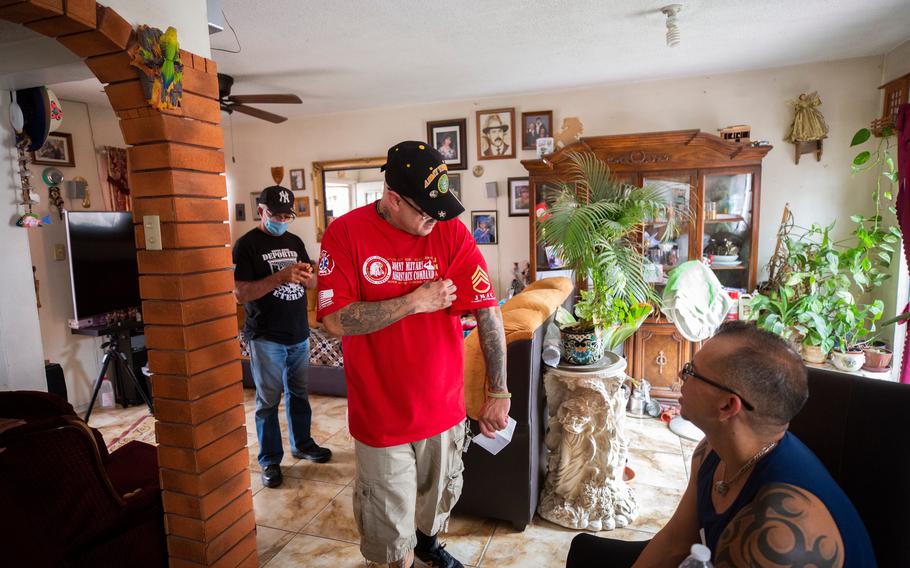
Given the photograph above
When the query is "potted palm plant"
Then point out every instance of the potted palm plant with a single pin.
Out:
(592, 224)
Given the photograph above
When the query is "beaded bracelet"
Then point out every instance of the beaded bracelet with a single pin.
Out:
(493, 394)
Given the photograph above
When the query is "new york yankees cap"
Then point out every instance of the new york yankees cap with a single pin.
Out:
(278, 199)
(417, 170)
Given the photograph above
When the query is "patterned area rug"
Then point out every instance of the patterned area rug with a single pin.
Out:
(142, 429)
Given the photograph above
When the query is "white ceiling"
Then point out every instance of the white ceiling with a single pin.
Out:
(356, 54)
(349, 54)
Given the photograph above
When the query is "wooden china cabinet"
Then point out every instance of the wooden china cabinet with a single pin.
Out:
(718, 181)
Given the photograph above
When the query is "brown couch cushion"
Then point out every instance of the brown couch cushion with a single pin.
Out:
(540, 299)
(311, 308)
(521, 317)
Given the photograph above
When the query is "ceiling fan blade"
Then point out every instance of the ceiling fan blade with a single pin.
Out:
(266, 99)
(258, 113)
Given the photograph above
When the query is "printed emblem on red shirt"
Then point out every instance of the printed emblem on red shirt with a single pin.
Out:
(481, 281)
(325, 298)
(326, 264)
(377, 270)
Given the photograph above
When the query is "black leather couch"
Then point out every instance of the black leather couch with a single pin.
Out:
(507, 486)
(858, 428)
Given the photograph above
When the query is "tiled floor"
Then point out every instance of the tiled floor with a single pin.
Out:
(308, 521)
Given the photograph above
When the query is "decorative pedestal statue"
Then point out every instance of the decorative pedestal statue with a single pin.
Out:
(588, 448)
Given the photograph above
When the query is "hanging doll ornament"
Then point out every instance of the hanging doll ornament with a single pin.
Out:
(809, 127)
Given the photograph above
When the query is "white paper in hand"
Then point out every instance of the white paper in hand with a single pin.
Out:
(502, 439)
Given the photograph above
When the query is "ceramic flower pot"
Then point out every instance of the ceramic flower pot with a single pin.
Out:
(582, 347)
(793, 338)
(851, 361)
(877, 359)
(813, 354)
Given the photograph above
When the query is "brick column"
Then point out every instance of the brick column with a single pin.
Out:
(176, 166)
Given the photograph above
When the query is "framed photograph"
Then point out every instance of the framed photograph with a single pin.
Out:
(240, 211)
(302, 205)
(483, 227)
(254, 205)
(534, 125)
(455, 185)
(519, 197)
(298, 182)
(57, 151)
(496, 134)
(545, 146)
(449, 137)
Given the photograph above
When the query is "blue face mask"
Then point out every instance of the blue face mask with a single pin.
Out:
(276, 228)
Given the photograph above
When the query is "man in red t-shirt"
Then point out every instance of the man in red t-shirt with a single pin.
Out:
(394, 277)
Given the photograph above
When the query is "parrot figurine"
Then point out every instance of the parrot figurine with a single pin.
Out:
(157, 55)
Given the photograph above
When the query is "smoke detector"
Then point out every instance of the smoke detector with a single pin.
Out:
(673, 36)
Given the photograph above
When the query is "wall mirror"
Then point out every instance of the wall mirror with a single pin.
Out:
(343, 185)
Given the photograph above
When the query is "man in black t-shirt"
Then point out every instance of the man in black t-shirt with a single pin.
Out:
(272, 272)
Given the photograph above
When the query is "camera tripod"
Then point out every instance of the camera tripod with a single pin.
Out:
(112, 352)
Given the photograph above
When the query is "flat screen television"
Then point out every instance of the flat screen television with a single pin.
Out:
(102, 258)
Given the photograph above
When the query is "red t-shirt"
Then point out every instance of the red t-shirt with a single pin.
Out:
(405, 381)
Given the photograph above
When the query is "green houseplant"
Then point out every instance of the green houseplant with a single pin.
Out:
(592, 223)
(817, 298)
(823, 277)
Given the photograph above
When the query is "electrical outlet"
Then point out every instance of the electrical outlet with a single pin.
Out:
(60, 252)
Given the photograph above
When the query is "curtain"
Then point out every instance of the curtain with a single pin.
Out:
(114, 173)
(903, 207)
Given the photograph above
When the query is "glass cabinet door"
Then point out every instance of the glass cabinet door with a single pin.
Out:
(727, 214)
(665, 249)
(546, 256)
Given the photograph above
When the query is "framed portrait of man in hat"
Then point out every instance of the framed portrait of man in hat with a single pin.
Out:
(496, 134)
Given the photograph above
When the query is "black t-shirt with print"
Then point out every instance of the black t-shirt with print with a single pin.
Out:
(280, 315)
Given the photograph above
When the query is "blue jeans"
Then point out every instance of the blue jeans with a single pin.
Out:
(281, 368)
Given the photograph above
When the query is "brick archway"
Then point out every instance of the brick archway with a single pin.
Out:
(176, 167)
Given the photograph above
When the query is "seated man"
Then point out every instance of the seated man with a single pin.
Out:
(757, 496)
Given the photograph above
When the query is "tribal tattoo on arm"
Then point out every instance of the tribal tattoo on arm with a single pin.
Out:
(493, 346)
(784, 526)
(361, 318)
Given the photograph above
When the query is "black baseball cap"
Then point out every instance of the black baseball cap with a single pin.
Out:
(278, 199)
(417, 170)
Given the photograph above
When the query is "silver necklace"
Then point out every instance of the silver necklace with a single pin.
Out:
(723, 486)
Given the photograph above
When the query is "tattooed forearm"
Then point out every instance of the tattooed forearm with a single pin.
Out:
(784, 526)
(493, 345)
(361, 318)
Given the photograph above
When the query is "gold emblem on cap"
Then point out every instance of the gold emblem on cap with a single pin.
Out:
(407, 165)
(422, 147)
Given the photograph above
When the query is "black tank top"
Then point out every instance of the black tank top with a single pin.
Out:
(793, 463)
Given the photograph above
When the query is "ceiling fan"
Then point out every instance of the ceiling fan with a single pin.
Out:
(231, 103)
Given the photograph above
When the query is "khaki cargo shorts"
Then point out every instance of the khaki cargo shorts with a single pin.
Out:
(402, 488)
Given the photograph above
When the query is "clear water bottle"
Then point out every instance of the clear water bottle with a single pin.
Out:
(699, 557)
(552, 346)
(107, 394)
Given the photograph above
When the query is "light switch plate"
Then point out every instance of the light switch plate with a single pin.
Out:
(60, 252)
(151, 224)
